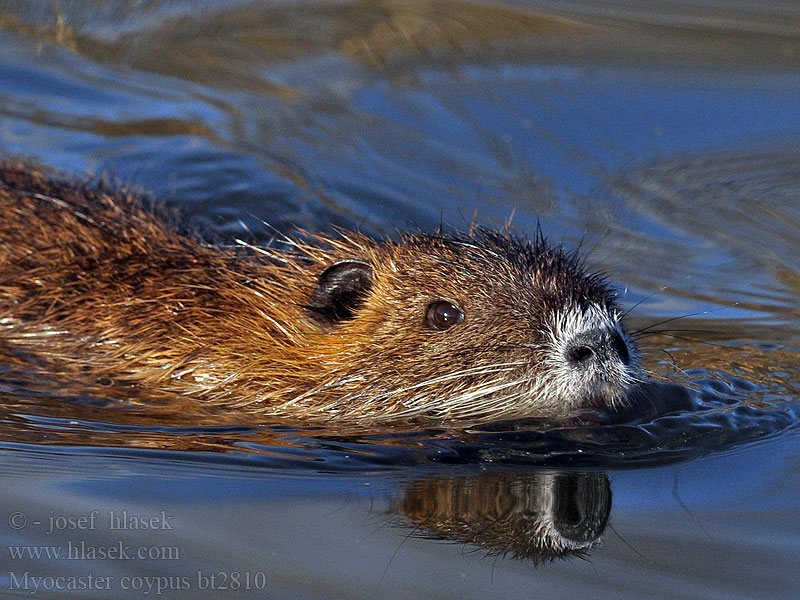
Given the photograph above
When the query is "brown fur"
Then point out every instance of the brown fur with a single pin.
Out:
(97, 284)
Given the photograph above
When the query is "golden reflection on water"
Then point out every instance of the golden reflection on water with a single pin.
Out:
(759, 372)
(60, 33)
(226, 46)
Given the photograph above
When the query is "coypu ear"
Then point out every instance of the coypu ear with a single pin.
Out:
(340, 290)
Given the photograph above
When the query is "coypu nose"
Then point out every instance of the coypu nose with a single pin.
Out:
(597, 344)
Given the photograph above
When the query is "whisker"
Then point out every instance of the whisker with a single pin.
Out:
(674, 362)
(670, 320)
(688, 339)
(474, 402)
(640, 302)
(437, 403)
(695, 314)
(481, 370)
(644, 334)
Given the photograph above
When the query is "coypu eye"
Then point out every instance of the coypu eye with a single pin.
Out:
(443, 315)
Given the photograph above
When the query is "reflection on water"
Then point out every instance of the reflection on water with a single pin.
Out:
(537, 516)
(662, 138)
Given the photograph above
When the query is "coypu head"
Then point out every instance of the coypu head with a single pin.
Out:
(468, 326)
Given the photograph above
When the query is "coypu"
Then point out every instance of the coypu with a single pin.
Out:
(100, 285)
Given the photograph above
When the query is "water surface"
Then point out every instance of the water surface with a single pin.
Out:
(663, 140)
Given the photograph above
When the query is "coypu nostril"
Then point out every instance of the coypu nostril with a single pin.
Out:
(597, 345)
(580, 354)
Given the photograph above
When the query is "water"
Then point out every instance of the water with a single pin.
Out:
(662, 139)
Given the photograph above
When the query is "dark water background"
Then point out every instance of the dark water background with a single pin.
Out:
(663, 136)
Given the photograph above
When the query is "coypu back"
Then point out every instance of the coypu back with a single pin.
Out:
(99, 284)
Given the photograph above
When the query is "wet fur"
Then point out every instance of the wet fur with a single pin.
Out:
(99, 284)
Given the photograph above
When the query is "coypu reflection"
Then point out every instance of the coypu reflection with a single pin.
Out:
(533, 516)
